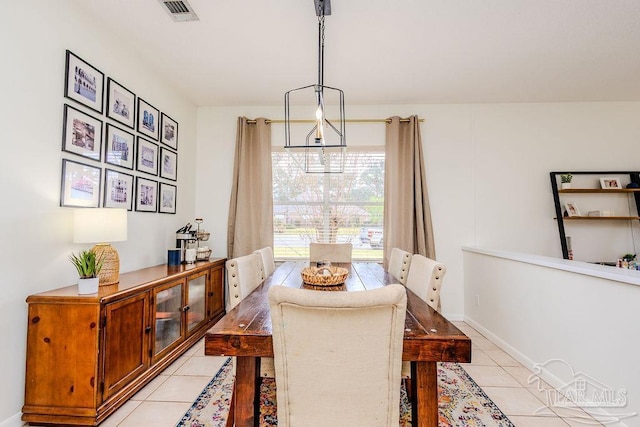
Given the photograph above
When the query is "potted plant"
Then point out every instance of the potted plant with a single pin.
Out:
(88, 267)
(565, 180)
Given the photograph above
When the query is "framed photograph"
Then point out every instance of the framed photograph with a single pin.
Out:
(147, 153)
(80, 185)
(167, 198)
(572, 209)
(121, 103)
(119, 147)
(118, 190)
(168, 164)
(169, 132)
(146, 195)
(81, 134)
(83, 82)
(610, 183)
(148, 119)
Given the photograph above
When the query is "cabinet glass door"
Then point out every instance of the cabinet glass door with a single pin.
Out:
(168, 316)
(196, 297)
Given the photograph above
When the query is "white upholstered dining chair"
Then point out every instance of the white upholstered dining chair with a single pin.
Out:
(267, 262)
(332, 252)
(425, 279)
(338, 356)
(399, 263)
(243, 276)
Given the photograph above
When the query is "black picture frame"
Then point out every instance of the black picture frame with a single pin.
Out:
(146, 195)
(148, 119)
(121, 104)
(168, 164)
(147, 156)
(80, 185)
(119, 147)
(118, 190)
(81, 134)
(169, 129)
(83, 82)
(167, 197)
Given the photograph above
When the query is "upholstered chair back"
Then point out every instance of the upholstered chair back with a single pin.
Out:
(267, 262)
(399, 263)
(338, 356)
(425, 279)
(332, 252)
(243, 276)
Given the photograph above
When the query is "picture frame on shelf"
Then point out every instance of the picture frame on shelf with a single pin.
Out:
(148, 119)
(81, 134)
(121, 103)
(169, 131)
(147, 156)
(118, 190)
(83, 82)
(80, 185)
(168, 164)
(610, 183)
(146, 195)
(572, 209)
(119, 147)
(167, 197)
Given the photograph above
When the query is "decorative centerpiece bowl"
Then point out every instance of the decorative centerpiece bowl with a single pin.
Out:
(324, 276)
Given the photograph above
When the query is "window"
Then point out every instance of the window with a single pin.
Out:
(329, 208)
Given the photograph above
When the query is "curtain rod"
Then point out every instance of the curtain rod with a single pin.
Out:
(253, 122)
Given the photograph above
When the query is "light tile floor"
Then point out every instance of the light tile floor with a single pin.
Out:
(165, 399)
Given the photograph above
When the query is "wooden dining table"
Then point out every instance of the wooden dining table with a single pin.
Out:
(245, 332)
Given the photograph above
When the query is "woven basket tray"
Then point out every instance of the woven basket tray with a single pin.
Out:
(318, 277)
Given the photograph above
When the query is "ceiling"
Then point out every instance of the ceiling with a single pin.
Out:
(249, 52)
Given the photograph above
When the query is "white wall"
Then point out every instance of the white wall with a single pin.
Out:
(36, 231)
(537, 314)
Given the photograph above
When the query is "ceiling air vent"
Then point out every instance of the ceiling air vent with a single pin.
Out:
(180, 11)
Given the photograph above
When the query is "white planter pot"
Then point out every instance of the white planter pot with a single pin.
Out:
(565, 185)
(88, 286)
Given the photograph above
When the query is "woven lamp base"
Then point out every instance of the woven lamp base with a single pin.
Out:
(110, 272)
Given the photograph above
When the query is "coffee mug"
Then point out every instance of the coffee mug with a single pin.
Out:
(190, 256)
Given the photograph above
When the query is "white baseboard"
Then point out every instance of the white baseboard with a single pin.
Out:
(13, 421)
(526, 361)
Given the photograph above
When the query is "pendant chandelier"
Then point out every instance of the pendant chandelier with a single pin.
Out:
(322, 149)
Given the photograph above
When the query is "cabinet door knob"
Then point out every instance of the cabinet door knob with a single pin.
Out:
(147, 329)
(186, 308)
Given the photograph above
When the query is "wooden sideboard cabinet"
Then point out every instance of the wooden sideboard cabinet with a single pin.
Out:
(88, 354)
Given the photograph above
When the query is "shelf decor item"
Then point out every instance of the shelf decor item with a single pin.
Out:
(572, 209)
(610, 183)
(565, 181)
(88, 265)
(102, 226)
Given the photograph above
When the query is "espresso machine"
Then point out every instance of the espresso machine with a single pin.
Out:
(185, 237)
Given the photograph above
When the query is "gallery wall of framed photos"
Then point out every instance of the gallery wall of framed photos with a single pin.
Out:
(119, 150)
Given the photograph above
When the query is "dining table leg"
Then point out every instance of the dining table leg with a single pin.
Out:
(247, 408)
(424, 383)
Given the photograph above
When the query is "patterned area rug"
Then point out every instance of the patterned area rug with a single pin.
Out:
(461, 402)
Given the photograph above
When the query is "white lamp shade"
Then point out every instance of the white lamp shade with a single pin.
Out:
(99, 225)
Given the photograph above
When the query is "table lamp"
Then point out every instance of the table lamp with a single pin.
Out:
(102, 226)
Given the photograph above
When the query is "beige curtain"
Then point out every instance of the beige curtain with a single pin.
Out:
(251, 207)
(407, 215)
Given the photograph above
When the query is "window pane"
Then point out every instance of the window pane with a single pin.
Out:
(331, 208)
